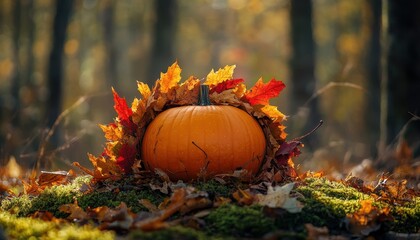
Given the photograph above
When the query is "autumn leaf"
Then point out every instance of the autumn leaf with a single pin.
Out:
(261, 93)
(121, 107)
(103, 168)
(286, 151)
(187, 92)
(170, 79)
(243, 197)
(223, 74)
(126, 157)
(76, 212)
(177, 200)
(225, 85)
(52, 178)
(144, 90)
(279, 196)
(112, 131)
(273, 113)
(124, 112)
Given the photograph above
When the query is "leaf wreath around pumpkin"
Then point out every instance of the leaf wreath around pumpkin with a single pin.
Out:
(124, 136)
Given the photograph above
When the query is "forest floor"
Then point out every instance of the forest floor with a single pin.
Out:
(60, 205)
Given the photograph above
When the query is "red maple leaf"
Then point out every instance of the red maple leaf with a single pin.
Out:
(126, 157)
(286, 151)
(225, 85)
(261, 93)
(124, 111)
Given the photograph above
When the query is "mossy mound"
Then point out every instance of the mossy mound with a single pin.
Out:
(326, 203)
(52, 198)
(29, 228)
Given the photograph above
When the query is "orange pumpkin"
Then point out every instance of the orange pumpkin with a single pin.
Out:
(191, 141)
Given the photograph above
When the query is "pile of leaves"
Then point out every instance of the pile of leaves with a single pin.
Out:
(122, 153)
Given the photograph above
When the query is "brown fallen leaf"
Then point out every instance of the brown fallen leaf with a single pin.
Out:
(119, 218)
(46, 179)
(76, 212)
(176, 201)
(243, 197)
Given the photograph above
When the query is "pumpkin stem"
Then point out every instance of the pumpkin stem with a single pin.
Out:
(204, 99)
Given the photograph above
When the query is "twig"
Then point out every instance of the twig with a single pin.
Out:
(44, 141)
(310, 132)
(332, 85)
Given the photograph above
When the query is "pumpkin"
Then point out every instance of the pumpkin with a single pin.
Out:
(203, 140)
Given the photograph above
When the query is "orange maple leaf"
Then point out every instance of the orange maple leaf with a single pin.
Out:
(112, 131)
(261, 93)
(170, 79)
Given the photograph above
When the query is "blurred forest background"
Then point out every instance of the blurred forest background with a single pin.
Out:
(354, 64)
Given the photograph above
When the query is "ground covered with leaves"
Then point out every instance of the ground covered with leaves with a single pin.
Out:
(123, 198)
(152, 207)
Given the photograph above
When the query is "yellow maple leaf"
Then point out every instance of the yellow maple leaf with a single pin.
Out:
(221, 75)
(144, 90)
(273, 113)
(170, 79)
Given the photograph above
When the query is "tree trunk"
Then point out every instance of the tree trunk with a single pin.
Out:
(55, 66)
(403, 70)
(162, 54)
(302, 65)
(373, 61)
(109, 31)
(16, 84)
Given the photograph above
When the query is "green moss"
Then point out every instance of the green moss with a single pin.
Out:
(110, 199)
(49, 200)
(29, 228)
(215, 188)
(52, 198)
(176, 232)
(326, 203)
(232, 220)
(407, 217)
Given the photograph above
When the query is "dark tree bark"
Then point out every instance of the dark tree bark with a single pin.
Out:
(302, 65)
(16, 84)
(162, 54)
(55, 66)
(109, 31)
(403, 70)
(373, 60)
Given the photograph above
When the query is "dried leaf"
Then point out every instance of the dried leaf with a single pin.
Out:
(169, 79)
(144, 90)
(104, 168)
(47, 179)
(279, 196)
(177, 200)
(112, 131)
(119, 218)
(187, 92)
(243, 197)
(149, 205)
(223, 74)
(76, 212)
(261, 93)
